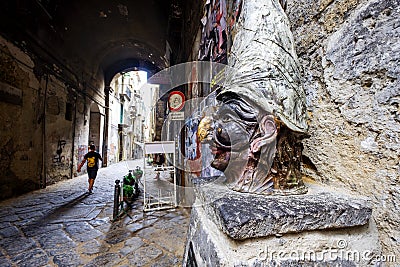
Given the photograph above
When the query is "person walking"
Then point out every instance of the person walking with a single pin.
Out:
(92, 158)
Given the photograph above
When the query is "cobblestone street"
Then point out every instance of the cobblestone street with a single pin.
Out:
(62, 225)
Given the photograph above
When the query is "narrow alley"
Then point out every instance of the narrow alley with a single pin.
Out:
(63, 225)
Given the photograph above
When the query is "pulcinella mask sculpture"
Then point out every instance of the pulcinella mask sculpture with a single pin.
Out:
(256, 131)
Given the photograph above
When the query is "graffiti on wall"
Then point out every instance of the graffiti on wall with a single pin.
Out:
(82, 149)
(192, 147)
(59, 158)
(191, 139)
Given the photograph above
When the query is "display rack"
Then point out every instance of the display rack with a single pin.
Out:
(159, 181)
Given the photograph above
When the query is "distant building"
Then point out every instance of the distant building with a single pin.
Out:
(127, 117)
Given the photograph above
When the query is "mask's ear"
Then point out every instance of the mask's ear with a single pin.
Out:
(268, 131)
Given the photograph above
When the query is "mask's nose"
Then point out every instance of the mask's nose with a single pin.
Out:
(205, 129)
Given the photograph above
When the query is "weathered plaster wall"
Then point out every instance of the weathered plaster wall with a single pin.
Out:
(350, 54)
(81, 129)
(20, 160)
(58, 133)
(39, 114)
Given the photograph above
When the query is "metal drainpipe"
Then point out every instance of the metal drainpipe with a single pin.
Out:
(43, 179)
(73, 140)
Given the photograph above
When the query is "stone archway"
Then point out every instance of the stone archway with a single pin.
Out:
(94, 126)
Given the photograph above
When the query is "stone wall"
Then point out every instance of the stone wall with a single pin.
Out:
(40, 112)
(20, 162)
(58, 134)
(350, 54)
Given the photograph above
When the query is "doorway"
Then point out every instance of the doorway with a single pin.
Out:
(94, 126)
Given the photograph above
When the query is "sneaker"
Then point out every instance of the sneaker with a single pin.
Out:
(90, 191)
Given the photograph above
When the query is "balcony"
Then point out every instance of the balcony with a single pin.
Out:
(126, 94)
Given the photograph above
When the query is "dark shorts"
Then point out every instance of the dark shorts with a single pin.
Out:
(92, 174)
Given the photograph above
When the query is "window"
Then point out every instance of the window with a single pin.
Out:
(68, 111)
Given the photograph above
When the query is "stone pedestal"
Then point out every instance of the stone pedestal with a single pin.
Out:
(324, 227)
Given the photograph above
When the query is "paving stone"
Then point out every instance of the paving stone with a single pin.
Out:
(67, 260)
(106, 260)
(117, 235)
(69, 196)
(9, 218)
(104, 228)
(5, 211)
(99, 222)
(149, 222)
(167, 261)
(56, 243)
(144, 255)
(159, 214)
(35, 257)
(14, 246)
(134, 227)
(108, 211)
(173, 245)
(31, 202)
(4, 225)
(166, 224)
(94, 200)
(93, 214)
(23, 210)
(73, 214)
(95, 247)
(82, 231)
(56, 200)
(9, 231)
(34, 215)
(178, 218)
(149, 213)
(4, 262)
(146, 233)
(131, 245)
(39, 229)
(170, 214)
(137, 217)
(23, 223)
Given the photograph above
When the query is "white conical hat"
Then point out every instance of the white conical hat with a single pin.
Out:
(263, 65)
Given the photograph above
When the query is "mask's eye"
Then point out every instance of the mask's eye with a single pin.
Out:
(226, 114)
(225, 118)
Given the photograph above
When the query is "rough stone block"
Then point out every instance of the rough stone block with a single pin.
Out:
(207, 245)
(243, 216)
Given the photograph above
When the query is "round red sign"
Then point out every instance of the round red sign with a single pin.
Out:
(176, 101)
